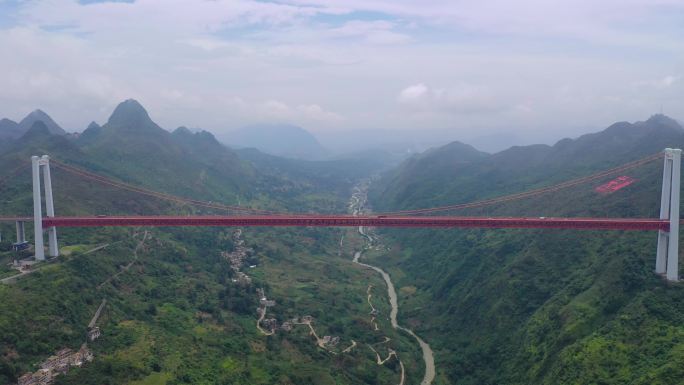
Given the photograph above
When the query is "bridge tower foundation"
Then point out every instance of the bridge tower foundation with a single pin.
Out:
(37, 164)
(667, 256)
(21, 232)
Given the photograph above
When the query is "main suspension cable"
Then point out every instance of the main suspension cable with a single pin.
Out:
(168, 197)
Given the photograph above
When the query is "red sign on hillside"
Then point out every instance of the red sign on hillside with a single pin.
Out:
(615, 184)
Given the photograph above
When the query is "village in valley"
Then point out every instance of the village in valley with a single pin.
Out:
(56, 365)
(269, 326)
(237, 258)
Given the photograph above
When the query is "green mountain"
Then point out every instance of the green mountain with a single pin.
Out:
(40, 116)
(534, 306)
(10, 129)
(89, 134)
(426, 172)
(458, 173)
(130, 146)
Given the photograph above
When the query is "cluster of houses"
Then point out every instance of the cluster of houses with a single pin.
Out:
(237, 259)
(271, 324)
(56, 365)
(331, 341)
(263, 301)
(22, 265)
(60, 362)
(307, 319)
(94, 333)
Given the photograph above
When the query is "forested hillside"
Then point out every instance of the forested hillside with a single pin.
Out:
(181, 302)
(533, 306)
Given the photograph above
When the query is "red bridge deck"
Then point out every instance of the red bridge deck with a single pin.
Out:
(375, 221)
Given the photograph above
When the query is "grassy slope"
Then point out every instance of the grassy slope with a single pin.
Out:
(175, 316)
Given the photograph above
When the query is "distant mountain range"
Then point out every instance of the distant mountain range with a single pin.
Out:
(10, 129)
(278, 139)
(275, 139)
(130, 146)
(459, 172)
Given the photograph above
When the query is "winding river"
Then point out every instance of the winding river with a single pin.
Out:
(356, 204)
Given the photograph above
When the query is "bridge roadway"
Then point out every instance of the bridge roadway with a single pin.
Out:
(352, 221)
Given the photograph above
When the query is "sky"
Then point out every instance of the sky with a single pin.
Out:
(520, 71)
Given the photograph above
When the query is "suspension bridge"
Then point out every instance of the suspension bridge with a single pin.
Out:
(667, 225)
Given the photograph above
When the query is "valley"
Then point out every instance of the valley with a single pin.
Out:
(357, 206)
(170, 291)
(323, 306)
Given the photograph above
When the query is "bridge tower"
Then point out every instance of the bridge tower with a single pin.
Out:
(667, 257)
(37, 164)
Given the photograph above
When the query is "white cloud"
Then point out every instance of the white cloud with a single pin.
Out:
(418, 93)
(464, 99)
(375, 32)
(317, 113)
(52, 72)
(168, 17)
(605, 21)
(669, 80)
(206, 43)
(662, 83)
(402, 64)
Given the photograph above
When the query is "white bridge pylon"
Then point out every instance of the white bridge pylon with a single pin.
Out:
(667, 257)
(37, 164)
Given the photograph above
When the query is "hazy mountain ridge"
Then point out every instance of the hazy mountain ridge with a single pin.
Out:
(336, 175)
(10, 129)
(39, 115)
(133, 148)
(521, 166)
(278, 139)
